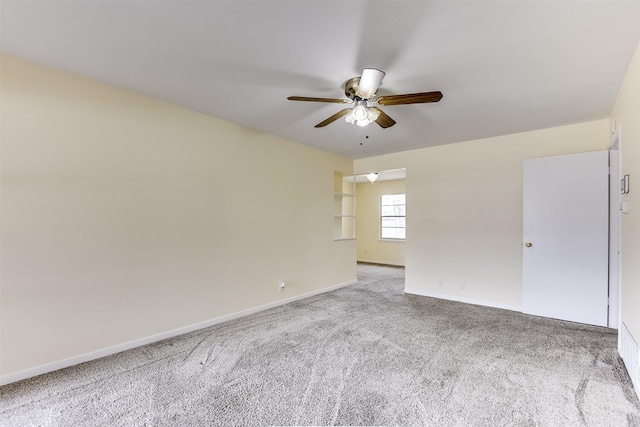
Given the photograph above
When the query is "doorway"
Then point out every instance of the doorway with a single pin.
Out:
(381, 217)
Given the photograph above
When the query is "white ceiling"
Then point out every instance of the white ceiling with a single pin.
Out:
(503, 66)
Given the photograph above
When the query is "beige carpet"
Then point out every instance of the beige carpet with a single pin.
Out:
(363, 355)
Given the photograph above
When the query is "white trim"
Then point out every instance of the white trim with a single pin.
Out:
(615, 230)
(615, 137)
(629, 353)
(93, 355)
(370, 261)
(458, 299)
(392, 240)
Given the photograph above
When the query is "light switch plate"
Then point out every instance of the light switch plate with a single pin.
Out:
(625, 205)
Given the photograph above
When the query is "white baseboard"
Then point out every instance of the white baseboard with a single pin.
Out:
(370, 261)
(458, 299)
(628, 349)
(93, 355)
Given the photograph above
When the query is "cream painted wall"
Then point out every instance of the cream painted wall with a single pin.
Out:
(370, 247)
(466, 210)
(125, 217)
(626, 112)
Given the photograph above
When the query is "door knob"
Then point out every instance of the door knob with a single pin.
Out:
(528, 244)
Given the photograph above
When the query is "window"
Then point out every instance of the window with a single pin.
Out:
(392, 216)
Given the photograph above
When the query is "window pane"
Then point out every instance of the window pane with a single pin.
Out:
(398, 199)
(393, 221)
(392, 233)
(386, 210)
(388, 233)
(400, 210)
(393, 210)
(393, 199)
(386, 200)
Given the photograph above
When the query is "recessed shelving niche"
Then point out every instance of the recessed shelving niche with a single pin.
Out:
(344, 206)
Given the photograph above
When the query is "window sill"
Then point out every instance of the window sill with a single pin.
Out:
(392, 240)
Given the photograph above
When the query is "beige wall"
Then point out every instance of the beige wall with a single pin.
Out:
(626, 113)
(465, 210)
(370, 247)
(125, 217)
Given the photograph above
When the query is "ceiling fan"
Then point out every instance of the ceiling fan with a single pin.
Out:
(360, 90)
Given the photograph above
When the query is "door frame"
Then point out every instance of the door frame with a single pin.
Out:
(615, 236)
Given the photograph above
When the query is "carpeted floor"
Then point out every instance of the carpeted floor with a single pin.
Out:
(364, 355)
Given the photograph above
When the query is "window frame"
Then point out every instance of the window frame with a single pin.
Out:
(381, 218)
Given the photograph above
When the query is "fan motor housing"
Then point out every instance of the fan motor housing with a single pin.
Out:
(351, 88)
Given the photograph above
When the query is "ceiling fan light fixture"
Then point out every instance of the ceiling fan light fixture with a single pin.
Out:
(372, 177)
(349, 118)
(360, 114)
(369, 82)
(372, 114)
(359, 90)
(360, 110)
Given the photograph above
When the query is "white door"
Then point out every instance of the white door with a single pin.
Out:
(565, 230)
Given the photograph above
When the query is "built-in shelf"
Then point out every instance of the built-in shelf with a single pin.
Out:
(344, 207)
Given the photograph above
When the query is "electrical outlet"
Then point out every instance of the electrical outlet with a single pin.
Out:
(282, 286)
(440, 283)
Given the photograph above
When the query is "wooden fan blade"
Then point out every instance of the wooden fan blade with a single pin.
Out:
(410, 98)
(306, 98)
(333, 118)
(383, 119)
